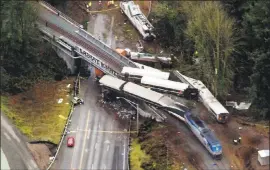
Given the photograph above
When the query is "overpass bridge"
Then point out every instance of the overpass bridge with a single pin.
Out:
(54, 25)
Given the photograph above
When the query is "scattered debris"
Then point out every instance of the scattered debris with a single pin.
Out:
(62, 117)
(263, 157)
(241, 106)
(60, 101)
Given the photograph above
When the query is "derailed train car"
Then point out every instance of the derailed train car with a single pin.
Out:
(138, 19)
(158, 81)
(158, 100)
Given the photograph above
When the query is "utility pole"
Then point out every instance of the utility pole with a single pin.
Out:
(137, 110)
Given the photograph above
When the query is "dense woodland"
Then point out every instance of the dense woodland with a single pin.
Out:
(25, 57)
(223, 43)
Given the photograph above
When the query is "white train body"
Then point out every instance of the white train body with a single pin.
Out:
(209, 101)
(172, 87)
(139, 73)
(138, 19)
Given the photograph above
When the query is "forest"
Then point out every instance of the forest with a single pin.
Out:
(223, 43)
(25, 58)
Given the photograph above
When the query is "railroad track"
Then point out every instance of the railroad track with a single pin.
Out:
(88, 46)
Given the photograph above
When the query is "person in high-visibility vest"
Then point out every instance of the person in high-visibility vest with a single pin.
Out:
(196, 53)
(89, 5)
(110, 3)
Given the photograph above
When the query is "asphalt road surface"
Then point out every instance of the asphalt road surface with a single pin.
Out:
(101, 141)
(14, 151)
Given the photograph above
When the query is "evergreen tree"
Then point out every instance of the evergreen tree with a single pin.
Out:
(25, 58)
(257, 29)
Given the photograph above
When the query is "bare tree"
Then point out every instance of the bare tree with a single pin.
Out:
(212, 31)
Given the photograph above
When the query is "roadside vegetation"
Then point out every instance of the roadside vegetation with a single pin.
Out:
(29, 70)
(223, 43)
(25, 57)
(137, 156)
(152, 149)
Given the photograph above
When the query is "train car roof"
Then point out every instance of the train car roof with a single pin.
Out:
(211, 138)
(215, 105)
(164, 83)
(147, 67)
(111, 82)
(143, 72)
(142, 92)
(207, 96)
(134, 9)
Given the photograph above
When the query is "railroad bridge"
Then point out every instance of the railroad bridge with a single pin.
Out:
(54, 24)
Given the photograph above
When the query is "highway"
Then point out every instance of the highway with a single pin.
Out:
(101, 142)
(14, 151)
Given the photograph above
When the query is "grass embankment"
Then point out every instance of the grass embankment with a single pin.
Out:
(36, 112)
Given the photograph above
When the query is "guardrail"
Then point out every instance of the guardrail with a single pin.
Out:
(64, 132)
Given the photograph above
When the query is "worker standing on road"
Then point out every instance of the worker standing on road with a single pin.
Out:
(110, 4)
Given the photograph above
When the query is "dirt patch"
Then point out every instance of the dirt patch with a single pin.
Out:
(41, 154)
(243, 155)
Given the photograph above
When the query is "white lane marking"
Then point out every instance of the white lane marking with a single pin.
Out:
(124, 154)
(8, 137)
(4, 161)
(88, 136)
(10, 130)
(104, 166)
(92, 167)
(95, 145)
(108, 147)
(84, 138)
(111, 126)
(99, 125)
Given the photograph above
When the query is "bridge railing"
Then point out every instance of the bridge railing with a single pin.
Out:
(67, 18)
(106, 48)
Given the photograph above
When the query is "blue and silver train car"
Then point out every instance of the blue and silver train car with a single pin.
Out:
(205, 135)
